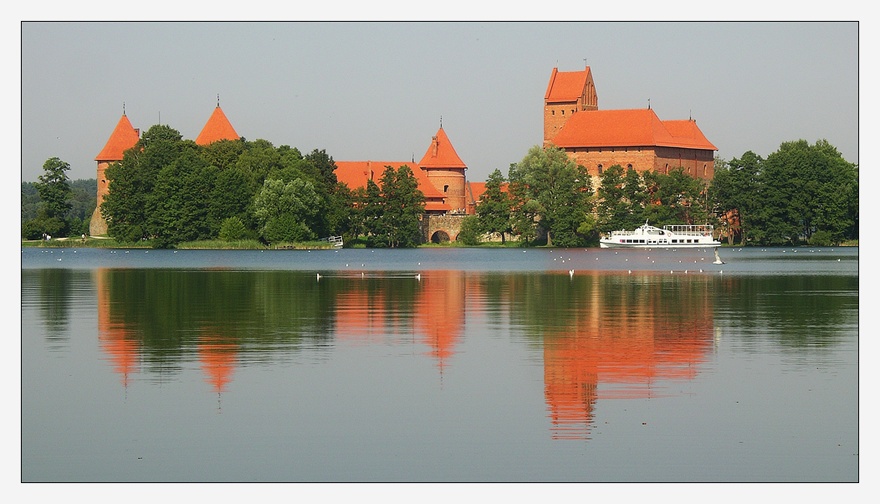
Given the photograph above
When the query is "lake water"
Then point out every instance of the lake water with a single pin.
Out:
(440, 365)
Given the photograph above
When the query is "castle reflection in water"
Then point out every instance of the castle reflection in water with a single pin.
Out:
(603, 336)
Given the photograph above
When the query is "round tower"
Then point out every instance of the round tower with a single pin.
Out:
(446, 171)
(123, 138)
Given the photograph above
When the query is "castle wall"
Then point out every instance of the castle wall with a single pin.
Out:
(696, 163)
(97, 225)
(449, 224)
(555, 115)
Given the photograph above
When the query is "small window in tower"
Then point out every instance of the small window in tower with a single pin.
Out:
(446, 188)
(563, 112)
(629, 167)
(552, 112)
(600, 169)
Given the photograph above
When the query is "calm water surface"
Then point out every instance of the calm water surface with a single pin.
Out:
(434, 365)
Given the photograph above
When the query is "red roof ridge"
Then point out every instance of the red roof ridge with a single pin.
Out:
(124, 137)
(217, 128)
(566, 86)
(441, 153)
(629, 128)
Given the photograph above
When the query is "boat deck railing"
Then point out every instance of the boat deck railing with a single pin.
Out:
(690, 229)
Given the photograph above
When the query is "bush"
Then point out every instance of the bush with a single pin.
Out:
(821, 239)
(53, 226)
(286, 228)
(233, 229)
(470, 231)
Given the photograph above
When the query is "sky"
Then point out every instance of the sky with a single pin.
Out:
(380, 90)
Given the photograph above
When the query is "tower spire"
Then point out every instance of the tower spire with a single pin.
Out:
(123, 108)
(218, 100)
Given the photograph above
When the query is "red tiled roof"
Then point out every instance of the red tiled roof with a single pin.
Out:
(688, 134)
(441, 154)
(217, 128)
(478, 189)
(355, 174)
(123, 138)
(566, 86)
(628, 128)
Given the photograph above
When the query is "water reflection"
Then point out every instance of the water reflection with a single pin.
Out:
(599, 335)
(617, 337)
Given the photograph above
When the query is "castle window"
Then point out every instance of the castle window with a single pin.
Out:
(563, 112)
(629, 166)
(552, 112)
(446, 188)
(600, 169)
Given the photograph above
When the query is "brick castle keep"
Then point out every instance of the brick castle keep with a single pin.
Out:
(594, 138)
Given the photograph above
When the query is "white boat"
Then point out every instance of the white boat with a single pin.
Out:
(671, 236)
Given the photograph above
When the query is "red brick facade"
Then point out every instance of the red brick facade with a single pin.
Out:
(638, 139)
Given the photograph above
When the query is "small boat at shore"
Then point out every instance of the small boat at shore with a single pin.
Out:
(670, 236)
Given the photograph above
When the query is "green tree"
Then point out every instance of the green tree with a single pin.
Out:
(559, 192)
(807, 188)
(494, 208)
(53, 188)
(233, 229)
(736, 193)
(613, 207)
(470, 231)
(676, 198)
(283, 210)
(181, 200)
(370, 206)
(130, 203)
(403, 205)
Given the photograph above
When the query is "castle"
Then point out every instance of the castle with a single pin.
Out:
(594, 138)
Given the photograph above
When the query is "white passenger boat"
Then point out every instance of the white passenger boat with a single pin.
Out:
(671, 236)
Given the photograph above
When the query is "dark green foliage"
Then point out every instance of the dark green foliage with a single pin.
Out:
(392, 212)
(549, 188)
(799, 190)
(54, 189)
(169, 190)
(30, 201)
(470, 231)
(494, 209)
(48, 204)
(285, 210)
(233, 229)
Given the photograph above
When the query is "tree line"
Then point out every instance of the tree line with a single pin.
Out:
(167, 190)
(799, 194)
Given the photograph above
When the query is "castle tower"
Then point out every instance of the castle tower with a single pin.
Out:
(446, 171)
(123, 138)
(567, 93)
(217, 128)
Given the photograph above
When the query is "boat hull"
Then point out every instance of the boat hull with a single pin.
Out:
(675, 236)
(610, 244)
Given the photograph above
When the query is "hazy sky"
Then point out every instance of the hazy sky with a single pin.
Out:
(378, 90)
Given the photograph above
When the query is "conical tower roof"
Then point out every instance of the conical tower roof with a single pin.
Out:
(441, 154)
(123, 138)
(217, 128)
